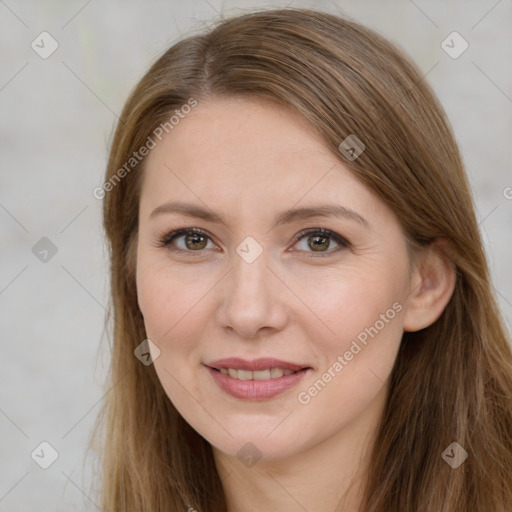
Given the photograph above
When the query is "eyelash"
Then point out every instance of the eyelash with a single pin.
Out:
(343, 243)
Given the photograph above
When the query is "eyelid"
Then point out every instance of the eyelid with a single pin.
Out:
(171, 235)
(323, 231)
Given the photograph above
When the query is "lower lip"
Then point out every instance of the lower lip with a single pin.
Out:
(256, 389)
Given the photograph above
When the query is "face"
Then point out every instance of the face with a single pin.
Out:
(310, 307)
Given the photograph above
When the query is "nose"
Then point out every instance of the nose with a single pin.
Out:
(251, 300)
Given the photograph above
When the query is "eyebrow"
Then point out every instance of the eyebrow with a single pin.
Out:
(286, 217)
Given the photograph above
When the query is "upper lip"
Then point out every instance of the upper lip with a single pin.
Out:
(256, 364)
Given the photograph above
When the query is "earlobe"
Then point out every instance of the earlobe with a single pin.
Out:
(432, 284)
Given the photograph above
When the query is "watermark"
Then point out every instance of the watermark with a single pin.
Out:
(249, 249)
(454, 455)
(454, 45)
(507, 192)
(351, 147)
(147, 352)
(304, 397)
(44, 455)
(249, 454)
(143, 151)
(44, 45)
(44, 250)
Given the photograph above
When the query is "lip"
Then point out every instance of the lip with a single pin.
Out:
(256, 389)
(256, 364)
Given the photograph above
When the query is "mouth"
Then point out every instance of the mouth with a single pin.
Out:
(269, 373)
(259, 379)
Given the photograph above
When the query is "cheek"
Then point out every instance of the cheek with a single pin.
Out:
(170, 307)
(167, 299)
(348, 302)
(362, 318)
(366, 317)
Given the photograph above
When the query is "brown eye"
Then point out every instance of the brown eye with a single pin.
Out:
(194, 240)
(319, 240)
(318, 243)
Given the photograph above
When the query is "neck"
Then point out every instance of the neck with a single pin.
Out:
(327, 476)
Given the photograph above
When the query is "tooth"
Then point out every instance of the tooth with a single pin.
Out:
(269, 373)
(275, 373)
(244, 374)
(261, 375)
(233, 373)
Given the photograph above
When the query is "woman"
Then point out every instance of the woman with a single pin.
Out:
(303, 310)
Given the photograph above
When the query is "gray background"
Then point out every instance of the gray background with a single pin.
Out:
(56, 121)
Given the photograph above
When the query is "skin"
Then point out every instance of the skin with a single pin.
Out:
(249, 161)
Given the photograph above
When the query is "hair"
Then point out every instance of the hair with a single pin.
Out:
(451, 381)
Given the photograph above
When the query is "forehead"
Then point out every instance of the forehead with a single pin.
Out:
(244, 154)
(241, 130)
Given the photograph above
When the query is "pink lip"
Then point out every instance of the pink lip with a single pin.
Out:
(255, 389)
(256, 364)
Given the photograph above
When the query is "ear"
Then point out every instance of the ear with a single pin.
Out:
(432, 283)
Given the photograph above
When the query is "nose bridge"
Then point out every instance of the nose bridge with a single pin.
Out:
(250, 301)
(250, 273)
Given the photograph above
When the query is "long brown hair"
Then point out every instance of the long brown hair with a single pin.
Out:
(452, 381)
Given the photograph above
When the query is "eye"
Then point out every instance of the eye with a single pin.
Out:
(194, 240)
(318, 239)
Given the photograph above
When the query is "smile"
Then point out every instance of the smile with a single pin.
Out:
(258, 379)
(270, 373)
